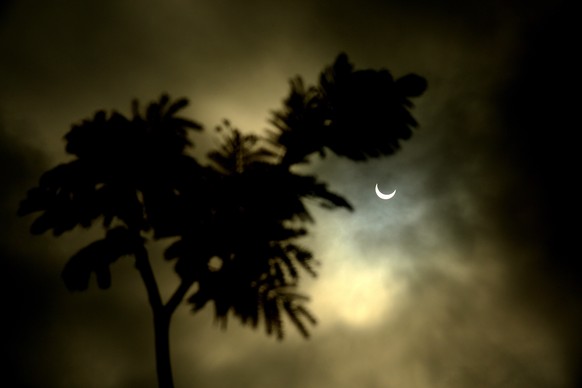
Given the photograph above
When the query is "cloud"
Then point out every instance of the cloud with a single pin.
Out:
(466, 278)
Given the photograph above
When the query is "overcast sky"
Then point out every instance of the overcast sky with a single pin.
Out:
(469, 277)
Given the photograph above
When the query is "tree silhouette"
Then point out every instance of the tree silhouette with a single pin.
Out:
(234, 223)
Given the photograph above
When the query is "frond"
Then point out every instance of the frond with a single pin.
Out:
(239, 152)
(299, 123)
(358, 114)
(176, 106)
(303, 257)
(97, 257)
(66, 196)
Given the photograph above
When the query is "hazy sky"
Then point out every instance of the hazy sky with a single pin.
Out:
(469, 277)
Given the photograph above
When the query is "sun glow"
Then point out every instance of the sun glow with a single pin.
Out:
(354, 294)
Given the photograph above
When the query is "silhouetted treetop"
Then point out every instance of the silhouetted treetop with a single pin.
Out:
(358, 114)
(234, 224)
(240, 153)
(123, 168)
(250, 231)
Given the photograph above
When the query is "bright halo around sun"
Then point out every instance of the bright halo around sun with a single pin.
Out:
(358, 295)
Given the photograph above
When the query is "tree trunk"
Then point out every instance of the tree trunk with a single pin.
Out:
(162, 316)
(162, 340)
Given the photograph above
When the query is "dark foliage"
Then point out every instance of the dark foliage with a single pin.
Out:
(235, 223)
(358, 114)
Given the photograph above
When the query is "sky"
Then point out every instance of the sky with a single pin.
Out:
(469, 277)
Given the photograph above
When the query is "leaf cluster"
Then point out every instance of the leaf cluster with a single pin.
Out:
(235, 224)
(358, 114)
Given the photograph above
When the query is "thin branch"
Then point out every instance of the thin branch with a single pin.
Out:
(142, 263)
(178, 296)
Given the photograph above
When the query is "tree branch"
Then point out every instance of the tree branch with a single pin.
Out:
(178, 295)
(142, 263)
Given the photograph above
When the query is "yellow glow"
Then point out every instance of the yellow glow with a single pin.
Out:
(354, 294)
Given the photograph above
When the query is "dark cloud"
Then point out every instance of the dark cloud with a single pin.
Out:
(539, 106)
(23, 282)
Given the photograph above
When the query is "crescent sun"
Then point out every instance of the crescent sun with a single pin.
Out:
(384, 196)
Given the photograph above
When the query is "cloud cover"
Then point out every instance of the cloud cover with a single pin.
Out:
(467, 278)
